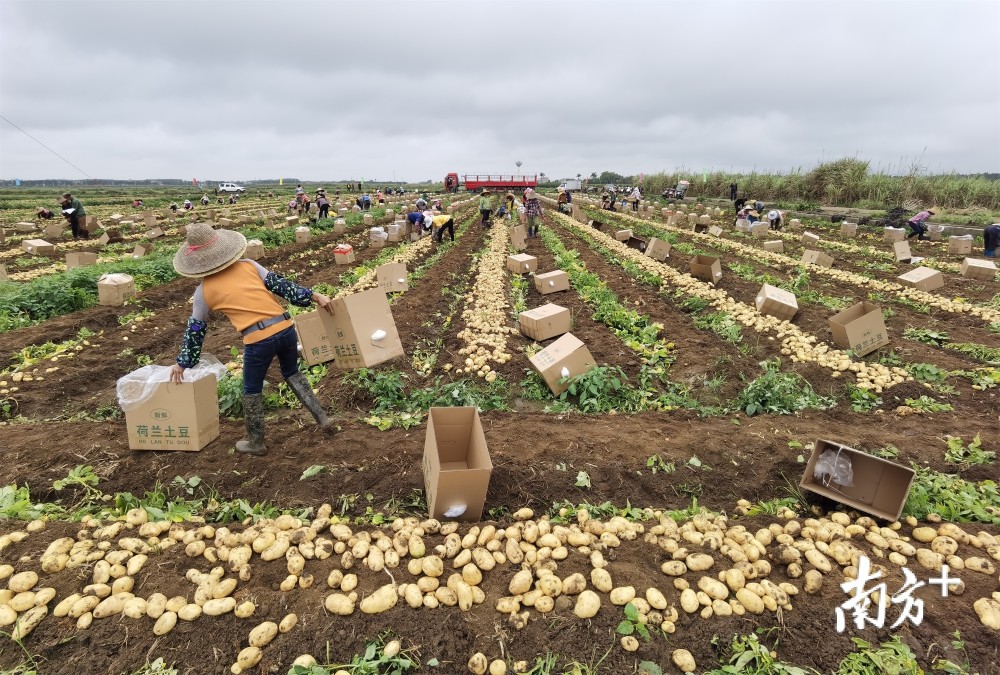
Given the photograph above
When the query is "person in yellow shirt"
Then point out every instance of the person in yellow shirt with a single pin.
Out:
(442, 222)
(245, 292)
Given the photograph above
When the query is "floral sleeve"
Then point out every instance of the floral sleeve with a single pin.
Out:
(194, 336)
(289, 290)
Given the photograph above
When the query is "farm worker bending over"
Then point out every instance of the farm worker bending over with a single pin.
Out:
(509, 201)
(991, 239)
(635, 197)
(533, 209)
(366, 201)
(561, 201)
(244, 291)
(188, 205)
(44, 213)
(204, 200)
(916, 224)
(421, 204)
(485, 207)
(324, 205)
(73, 210)
(774, 218)
(293, 204)
(416, 220)
(441, 223)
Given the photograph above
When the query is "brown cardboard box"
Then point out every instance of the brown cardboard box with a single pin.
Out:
(808, 238)
(715, 231)
(339, 226)
(24, 227)
(893, 234)
(155, 233)
(901, 249)
(415, 236)
(849, 229)
(816, 258)
(566, 357)
(177, 417)
(984, 270)
(395, 231)
(53, 230)
(777, 302)
(935, 232)
(960, 245)
(343, 254)
(3, 273)
(115, 289)
(657, 249)
(392, 278)
(361, 331)
(110, 236)
(456, 464)
(522, 263)
(545, 322)
(699, 228)
(81, 259)
(519, 238)
(254, 251)
(376, 244)
(623, 235)
(316, 345)
(760, 229)
(302, 235)
(859, 328)
(922, 279)
(90, 223)
(777, 246)
(742, 224)
(551, 282)
(37, 246)
(879, 487)
(290, 220)
(149, 219)
(707, 268)
(141, 250)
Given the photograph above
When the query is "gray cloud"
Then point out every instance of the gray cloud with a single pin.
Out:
(313, 90)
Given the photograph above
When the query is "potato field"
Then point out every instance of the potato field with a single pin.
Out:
(649, 519)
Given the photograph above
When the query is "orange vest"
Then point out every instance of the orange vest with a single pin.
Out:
(240, 294)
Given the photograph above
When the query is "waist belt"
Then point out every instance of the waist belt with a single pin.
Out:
(261, 325)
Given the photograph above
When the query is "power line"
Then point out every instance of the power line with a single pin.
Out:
(47, 147)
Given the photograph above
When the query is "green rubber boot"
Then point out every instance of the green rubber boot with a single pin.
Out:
(300, 386)
(253, 418)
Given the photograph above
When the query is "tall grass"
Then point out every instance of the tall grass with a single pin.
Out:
(845, 182)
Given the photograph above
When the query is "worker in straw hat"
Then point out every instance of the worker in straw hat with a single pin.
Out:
(244, 291)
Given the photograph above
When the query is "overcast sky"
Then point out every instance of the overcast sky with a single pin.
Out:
(414, 89)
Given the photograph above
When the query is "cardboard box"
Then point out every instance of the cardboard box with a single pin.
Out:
(176, 417)
(53, 230)
(777, 246)
(519, 238)
(339, 226)
(816, 258)
(893, 234)
(290, 220)
(984, 270)
(81, 259)
(657, 249)
(315, 343)
(37, 246)
(376, 244)
(638, 243)
(715, 231)
(935, 232)
(141, 250)
(110, 236)
(392, 278)
(849, 229)
(395, 231)
(90, 223)
(859, 328)
(456, 464)
(759, 229)
(115, 289)
(3, 273)
(922, 279)
(361, 331)
(155, 233)
(623, 235)
(552, 282)
(707, 268)
(699, 228)
(302, 235)
(879, 487)
(564, 358)
(808, 238)
(24, 227)
(343, 254)
(522, 263)
(777, 302)
(545, 322)
(742, 224)
(254, 251)
(960, 245)
(901, 249)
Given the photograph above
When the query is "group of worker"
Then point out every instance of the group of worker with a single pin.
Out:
(528, 209)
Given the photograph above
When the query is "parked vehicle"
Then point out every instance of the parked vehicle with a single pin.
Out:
(231, 187)
(571, 186)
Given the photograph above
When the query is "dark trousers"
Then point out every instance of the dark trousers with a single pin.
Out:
(77, 227)
(324, 211)
(484, 214)
(257, 357)
(732, 194)
(450, 226)
(635, 205)
(919, 229)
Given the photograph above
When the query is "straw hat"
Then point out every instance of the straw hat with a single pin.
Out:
(754, 214)
(530, 194)
(206, 251)
(772, 215)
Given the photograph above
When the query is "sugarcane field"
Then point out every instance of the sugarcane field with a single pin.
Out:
(734, 419)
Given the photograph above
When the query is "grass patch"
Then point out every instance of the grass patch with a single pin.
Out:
(779, 393)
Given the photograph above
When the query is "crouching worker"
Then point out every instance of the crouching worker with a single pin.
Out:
(245, 292)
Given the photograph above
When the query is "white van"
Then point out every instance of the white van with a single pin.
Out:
(231, 187)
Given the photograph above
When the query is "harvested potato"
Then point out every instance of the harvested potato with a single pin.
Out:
(23, 581)
(478, 664)
(601, 579)
(629, 643)
(622, 595)
(684, 661)
(381, 600)
(339, 604)
(587, 604)
(165, 623)
(262, 635)
(988, 610)
(245, 609)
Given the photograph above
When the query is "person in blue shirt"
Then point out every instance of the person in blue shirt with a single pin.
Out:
(416, 220)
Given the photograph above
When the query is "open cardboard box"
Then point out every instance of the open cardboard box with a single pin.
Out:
(181, 416)
(456, 464)
(880, 487)
(860, 328)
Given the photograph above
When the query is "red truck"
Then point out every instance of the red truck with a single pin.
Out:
(474, 183)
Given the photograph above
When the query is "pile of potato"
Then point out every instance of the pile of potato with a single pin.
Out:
(795, 343)
(486, 327)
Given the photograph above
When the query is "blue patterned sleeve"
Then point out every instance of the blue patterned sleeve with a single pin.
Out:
(289, 290)
(194, 336)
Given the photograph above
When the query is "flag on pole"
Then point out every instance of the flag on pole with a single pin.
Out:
(281, 181)
(704, 176)
(194, 181)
